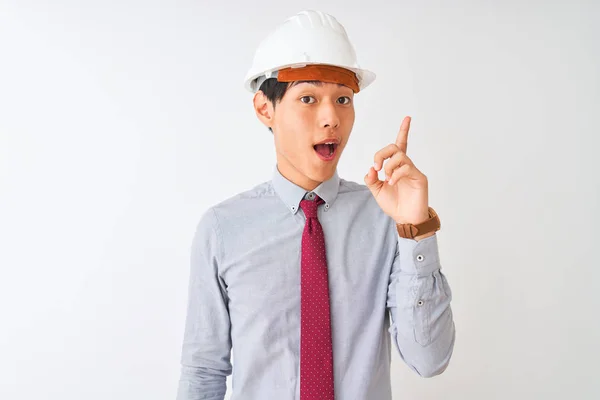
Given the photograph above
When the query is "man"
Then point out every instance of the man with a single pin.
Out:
(308, 278)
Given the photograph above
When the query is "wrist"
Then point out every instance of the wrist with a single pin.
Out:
(426, 235)
(422, 228)
(414, 220)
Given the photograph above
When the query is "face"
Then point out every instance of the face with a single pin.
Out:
(308, 116)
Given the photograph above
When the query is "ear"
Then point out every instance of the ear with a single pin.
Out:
(263, 108)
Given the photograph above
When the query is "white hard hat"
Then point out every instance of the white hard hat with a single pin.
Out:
(307, 38)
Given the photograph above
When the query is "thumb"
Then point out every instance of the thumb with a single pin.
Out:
(372, 180)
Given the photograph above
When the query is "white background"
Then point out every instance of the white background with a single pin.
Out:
(121, 122)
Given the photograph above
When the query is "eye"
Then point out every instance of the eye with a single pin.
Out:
(344, 100)
(307, 99)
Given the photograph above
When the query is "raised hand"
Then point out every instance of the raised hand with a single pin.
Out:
(404, 193)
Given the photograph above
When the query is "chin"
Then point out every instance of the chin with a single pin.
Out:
(323, 173)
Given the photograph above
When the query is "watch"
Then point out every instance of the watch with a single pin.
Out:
(410, 231)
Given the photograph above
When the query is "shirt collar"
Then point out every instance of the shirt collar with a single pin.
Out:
(292, 194)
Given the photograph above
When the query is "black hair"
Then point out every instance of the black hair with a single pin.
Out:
(274, 91)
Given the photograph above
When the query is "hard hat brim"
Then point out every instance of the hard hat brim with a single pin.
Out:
(365, 77)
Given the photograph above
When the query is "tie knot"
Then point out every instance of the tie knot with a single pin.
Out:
(310, 207)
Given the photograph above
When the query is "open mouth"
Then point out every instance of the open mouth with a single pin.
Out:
(326, 151)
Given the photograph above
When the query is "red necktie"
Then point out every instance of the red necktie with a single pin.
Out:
(316, 355)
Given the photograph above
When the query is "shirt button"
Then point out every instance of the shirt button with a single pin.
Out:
(327, 206)
(420, 303)
(420, 257)
(311, 196)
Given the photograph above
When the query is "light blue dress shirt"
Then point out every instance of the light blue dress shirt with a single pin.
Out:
(244, 296)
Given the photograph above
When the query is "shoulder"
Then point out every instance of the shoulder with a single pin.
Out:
(347, 186)
(255, 194)
(239, 205)
(359, 197)
(357, 193)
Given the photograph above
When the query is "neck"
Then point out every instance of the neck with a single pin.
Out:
(298, 178)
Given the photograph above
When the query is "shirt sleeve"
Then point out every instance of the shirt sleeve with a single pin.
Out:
(206, 350)
(422, 326)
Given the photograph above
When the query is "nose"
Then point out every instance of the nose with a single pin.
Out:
(328, 115)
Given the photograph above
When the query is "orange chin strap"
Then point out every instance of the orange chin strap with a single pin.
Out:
(320, 72)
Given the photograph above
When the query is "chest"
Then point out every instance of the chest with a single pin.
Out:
(264, 271)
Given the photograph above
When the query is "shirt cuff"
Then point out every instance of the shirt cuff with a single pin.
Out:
(419, 257)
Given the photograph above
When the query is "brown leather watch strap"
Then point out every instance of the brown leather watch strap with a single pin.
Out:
(410, 231)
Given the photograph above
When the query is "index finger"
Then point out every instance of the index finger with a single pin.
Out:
(402, 139)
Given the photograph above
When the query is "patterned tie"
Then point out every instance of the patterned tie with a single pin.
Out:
(316, 355)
